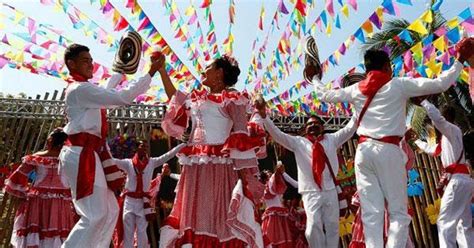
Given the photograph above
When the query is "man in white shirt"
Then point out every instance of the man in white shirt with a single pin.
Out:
(85, 160)
(380, 102)
(137, 206)
(455, 209)
(314, 153)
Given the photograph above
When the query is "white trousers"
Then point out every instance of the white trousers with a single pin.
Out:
(455, 216)
(134, 219)
(98, 211)
(322, 209)
(381, 176)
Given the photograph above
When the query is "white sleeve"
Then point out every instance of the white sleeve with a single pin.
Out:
(446, 128)
(336, 95)
(286, 140)
(344, 134)
(156, 162)
(175, 176)
(113, 81)
(123, 164)
(93, 96)
(425, 147)
(426, 86)
(290, 180)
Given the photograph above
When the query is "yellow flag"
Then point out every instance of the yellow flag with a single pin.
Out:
(427, 16)
(440, 44)
(328, 29)
(345, 10)
(464, 76)
(418, 26)
(417, 49)
(453, 23)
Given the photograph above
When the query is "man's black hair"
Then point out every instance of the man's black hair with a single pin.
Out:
(375, 60)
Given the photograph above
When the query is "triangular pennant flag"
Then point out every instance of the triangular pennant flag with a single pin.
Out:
(453, 35)
(345, 10)
(427, 16)
(440, 44)
(418, 26)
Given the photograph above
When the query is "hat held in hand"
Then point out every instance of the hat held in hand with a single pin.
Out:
(128, 56)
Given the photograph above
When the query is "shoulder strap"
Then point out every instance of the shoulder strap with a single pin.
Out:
(460, 156)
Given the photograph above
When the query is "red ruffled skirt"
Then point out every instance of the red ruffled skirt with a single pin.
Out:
(44, 220)
(201, 207)
(276, 227)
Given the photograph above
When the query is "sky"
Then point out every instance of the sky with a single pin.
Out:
(245, 31)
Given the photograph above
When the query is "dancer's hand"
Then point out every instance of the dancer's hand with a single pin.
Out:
(157, 63)
(411, 135)
(280, 168)
(260, 105)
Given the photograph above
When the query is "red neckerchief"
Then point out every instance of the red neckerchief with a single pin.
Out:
(319, 159)
(437, 150)
(78, 78)
(369, 87)
(139, 166)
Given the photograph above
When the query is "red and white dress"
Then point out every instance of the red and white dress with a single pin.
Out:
(46, 216)
(275, 222)
(207, 211)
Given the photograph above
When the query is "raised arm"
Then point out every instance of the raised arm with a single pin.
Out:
(334, 96)
(93, 96)
(113, 81)
(288, 141)
(426, 86)
(175, 176)
(290, 180)
(123, 164)
(156, 162)
(344, 134)
(446, 128)
(430, 150)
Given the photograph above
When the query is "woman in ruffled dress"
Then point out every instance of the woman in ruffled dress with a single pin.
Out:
(219, 153)
(45, 216)
(275, 220)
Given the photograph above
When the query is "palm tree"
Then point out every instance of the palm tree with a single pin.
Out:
(457, 96)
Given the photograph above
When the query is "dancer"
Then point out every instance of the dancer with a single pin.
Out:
(220, 152)
(317, 163)
(85, 160)
(45, 216)
(137, 208)
(358, 239)
(275, 222)
(380, 101)
(455, 208)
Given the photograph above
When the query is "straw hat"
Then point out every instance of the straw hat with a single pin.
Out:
(128, 56)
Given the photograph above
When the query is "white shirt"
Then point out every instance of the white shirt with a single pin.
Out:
(85, 100)
(451, 141)
(387, 112)
(303, 150)
(127, 166)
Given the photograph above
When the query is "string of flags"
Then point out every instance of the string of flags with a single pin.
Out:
(36, 47)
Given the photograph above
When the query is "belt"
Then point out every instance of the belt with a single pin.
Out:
(457, 169)
(387, 139)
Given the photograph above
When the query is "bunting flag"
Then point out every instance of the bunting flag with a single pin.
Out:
(427, 58)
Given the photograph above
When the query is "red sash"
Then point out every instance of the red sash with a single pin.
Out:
(387, 139)
(319, 159)
(369, 88)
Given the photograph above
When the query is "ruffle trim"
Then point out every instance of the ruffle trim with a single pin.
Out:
(242, 142)
(43, 233)
(200, 239)
(279, 211)
(238, 98)
(39, 160)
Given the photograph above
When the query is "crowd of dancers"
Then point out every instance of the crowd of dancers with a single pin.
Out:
(72, 202)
